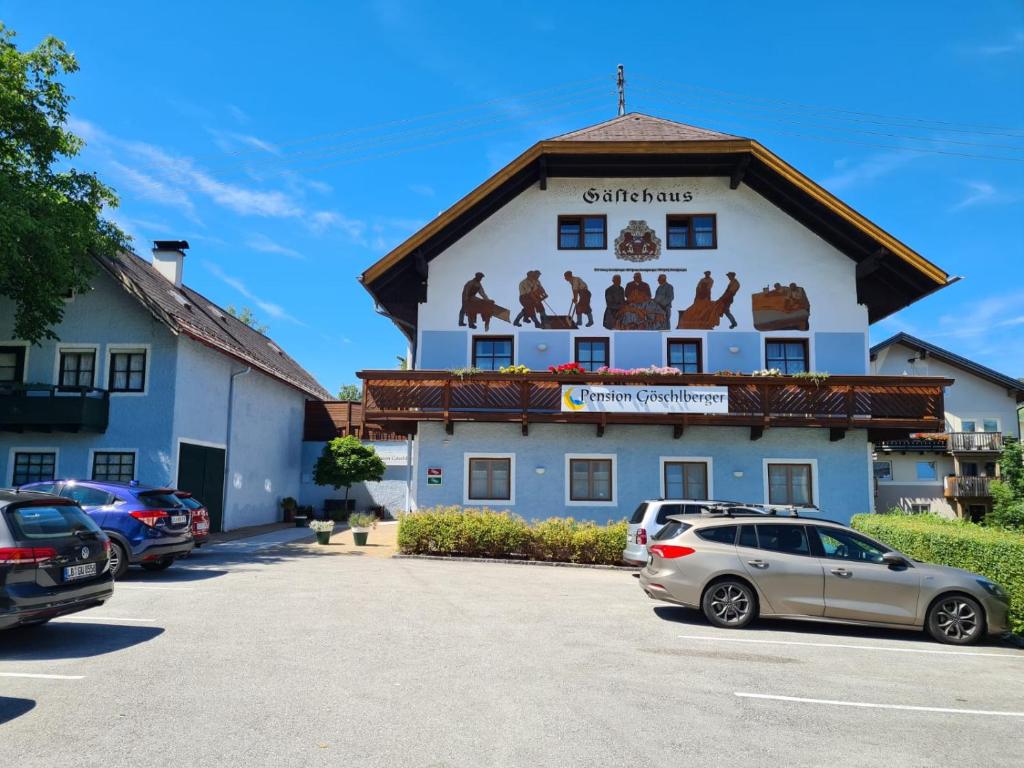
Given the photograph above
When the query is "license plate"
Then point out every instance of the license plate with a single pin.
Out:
(85, 570)
(202, 526)
(178, 519)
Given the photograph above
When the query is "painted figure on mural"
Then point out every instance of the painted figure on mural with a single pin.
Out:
(475, 301)
(580, 299)
(641, 312)
(706, 313)
(663, 297)
(614, 300)
(531, 297)
(783, 308)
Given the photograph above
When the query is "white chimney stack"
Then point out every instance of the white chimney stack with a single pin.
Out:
(168, 259)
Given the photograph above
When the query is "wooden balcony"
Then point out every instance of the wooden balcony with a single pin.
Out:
(45, 408)
(889, 406)
(975, 442)
(967, 487)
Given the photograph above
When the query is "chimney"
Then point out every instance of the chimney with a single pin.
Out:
(168, 259)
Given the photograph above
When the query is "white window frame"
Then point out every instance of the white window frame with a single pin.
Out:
(24, 365)
(94, 451)
(97, 365)
(113, 349)
(613, 501)
(815, 477)
(510, 501)
(706, 460)
(32, 449)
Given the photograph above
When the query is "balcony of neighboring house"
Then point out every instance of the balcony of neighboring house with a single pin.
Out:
(328, 419)
(975, 442)
(48, 408)
(887, 406)
(967, 487)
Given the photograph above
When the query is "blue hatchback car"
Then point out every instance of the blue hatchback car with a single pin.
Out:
(147, 525)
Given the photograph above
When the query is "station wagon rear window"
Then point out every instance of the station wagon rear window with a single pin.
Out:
(161, 499)
(638, 514)
(48, 522)
(671, 530)
(725, 534)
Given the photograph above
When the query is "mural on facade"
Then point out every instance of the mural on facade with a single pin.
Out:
(637, 242)
(782, 308)
(706, 313)
(475, 302)
(531, 298)
(635, 308)
(580, 306)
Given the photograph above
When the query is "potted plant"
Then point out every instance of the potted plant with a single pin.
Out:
(344, 462)
(302, 516)
(288, 505)
(361, 523)
(323, 530)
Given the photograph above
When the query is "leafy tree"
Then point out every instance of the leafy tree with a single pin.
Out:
(1008, 490)
(350, 392)
(346, 461)
(51, 222)
(246, 316)
(403, 363)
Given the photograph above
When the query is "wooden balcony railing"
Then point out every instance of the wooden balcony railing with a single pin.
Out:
(963, 486)
(975, 442)
(889, 405)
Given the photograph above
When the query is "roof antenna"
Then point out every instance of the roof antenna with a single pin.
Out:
(621, 82)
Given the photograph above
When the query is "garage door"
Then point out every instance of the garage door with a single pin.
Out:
(201, 473)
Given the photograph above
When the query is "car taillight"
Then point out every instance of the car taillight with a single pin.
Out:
(26, 555)
(671, 551)
(106, 546)
(149, 517)
(641, 536)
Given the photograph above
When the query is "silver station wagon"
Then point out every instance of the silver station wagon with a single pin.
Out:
(735, 568)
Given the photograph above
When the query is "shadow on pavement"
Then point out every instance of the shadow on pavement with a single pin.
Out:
(177, 573)
(11, 709)
(71, 641)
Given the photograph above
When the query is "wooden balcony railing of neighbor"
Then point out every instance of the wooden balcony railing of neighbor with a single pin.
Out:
(975, 442)
(328, 419)
(889, 406)
(962, 486)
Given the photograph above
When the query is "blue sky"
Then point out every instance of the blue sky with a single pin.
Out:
(294, 147)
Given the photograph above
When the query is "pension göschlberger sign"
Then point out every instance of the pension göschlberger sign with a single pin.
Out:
(637, 398)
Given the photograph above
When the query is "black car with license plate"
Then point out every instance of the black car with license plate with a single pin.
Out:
(54, 560)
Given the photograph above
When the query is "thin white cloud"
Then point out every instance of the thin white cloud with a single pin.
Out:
(984, 318)
(870, 169)
(322, 221)
(268, 308)
(231, 141)
(151, 188)
(260, 242)
(237, 112)
(423, 190)
(1015, 44)
(983, 193)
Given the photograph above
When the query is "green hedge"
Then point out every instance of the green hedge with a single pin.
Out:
(995, 554)
(486, 533)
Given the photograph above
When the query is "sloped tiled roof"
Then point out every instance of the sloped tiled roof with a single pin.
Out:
(639, 127)
(191, 314)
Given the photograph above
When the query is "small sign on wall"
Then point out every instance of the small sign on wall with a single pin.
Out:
(435, 476)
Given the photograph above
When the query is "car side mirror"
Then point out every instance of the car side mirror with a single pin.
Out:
(896, 560)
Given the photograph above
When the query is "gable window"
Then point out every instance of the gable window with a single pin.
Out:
(686, 480)
(113, 465)
(589, 233)
(790, 484)
(490, 479)
(12, 365)
(592, 354)
(30, 467)
(77, 369)
(691, 231)
(590, 479)
(492, 352)
(127, 371)
(684, 355)
(926, 470)
(786, 355)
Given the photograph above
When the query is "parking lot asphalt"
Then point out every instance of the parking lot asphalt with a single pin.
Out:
(264, 654)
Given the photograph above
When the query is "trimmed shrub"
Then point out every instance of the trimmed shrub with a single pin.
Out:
(995, 554)
(486, 533)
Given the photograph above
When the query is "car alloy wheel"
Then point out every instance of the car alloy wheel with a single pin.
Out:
(118, 560)
(729, 604)
(956, 620)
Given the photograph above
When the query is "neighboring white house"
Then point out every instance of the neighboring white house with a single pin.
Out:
(152, 381)
(947, 473)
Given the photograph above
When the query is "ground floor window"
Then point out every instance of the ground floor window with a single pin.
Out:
(590, 479)
(489, 478)
(790, 484)
(920, 509)
(31, 467)
(113, 465)
(685, 480)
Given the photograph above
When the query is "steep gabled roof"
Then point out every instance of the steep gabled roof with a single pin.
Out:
(191, 314)
(890, 275)
(979, 370)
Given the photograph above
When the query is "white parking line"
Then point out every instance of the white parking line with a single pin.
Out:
(92, 619)
(850, 646)
(119, 585)
(869, 705)
(42, 677)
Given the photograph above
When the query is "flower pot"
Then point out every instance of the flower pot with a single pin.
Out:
(323, 537)
(301, 521)
(360, 534)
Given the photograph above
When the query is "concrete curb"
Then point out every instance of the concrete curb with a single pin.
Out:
(457, 559)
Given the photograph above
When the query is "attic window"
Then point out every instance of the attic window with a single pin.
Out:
(219, 312)
(180, 299)
(274, 347)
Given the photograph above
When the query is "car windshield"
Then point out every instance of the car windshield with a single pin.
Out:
(55, 521)
(161, 499)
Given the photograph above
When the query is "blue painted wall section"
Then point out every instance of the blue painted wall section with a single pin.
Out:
(843, 470)
(637, 349)
(559, 349)
(441, 350)
(842, 354)
(746, 359)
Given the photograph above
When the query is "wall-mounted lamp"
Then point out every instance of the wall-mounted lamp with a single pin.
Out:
(542, 347)
(738, 473)
(539, 470)
(734, 350)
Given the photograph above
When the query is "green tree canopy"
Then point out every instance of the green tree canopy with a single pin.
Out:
(350, 392)
(51, 221)
(1008, 490)
(246, 316)
(346, 461)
